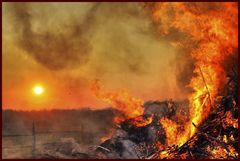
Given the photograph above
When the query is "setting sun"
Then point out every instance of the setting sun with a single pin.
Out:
(38, 90)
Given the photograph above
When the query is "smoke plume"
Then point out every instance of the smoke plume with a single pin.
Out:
(54, 48)
(117, 43)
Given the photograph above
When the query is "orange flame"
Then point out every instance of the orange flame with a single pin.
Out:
(107, 136)
(212, 37)
(216, 34)
(163, 154)
(118, 119)
(171, 129)
(220, 152)
(174, 132)
(130, 106)
(141, 121)
(159, 146)
(230, 121)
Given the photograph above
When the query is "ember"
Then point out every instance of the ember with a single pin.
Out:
(141, 121)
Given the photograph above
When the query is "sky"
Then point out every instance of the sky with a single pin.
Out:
(65, 46)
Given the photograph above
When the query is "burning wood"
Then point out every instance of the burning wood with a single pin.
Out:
(158, 136)
(158, 50)
(153, 137)
(207, 128)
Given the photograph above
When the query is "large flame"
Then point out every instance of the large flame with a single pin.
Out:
(174, 132)
(215, 31)
(212, 36)
(131, 107)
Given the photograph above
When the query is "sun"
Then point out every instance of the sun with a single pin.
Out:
(38, 90)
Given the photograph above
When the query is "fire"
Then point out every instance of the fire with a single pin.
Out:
(163, 154)
(212, 36)
(232, 151)
(225, 139)
(118, 119)
(171, 129)
(232, 138)
(217, 152)
(141, 121)
(174, 132)
(159, 146)
(107, 136)
(131, 107)
(220, 152)
(230, 121)
(216, 34)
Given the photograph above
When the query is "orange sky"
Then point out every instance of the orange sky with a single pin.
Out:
(66, 46)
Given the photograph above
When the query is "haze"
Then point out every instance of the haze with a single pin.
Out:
(64, 46)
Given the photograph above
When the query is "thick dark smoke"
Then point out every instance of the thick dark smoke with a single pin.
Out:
(53, 49)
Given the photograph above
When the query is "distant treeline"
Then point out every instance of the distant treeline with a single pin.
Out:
(91, 123)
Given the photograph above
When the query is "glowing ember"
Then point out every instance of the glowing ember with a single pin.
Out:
(220, 152)
(230, 121)
(118, 119)
(163, 154)
(141, 121)
(159, 146)
(225, 139)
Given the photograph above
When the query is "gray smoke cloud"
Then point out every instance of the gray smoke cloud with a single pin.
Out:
(116, 43)
(55, 49)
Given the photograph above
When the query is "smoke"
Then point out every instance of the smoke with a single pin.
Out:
(183, 63)
(58, 45)
(55, 49)
(117, 43)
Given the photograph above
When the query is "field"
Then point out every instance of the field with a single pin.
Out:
(85, 126)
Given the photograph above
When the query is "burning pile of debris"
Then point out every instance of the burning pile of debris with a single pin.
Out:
(216, 138)
(154, 135)
(158, 132)
(137, 137)
(207, 127)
